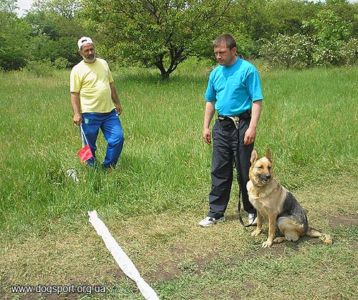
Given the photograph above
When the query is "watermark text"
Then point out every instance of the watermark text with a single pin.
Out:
(58, 289)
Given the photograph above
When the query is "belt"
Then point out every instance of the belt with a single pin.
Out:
(229, 121)
(245, 115)
(234, 120)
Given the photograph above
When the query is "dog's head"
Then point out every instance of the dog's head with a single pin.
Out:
(261, 168)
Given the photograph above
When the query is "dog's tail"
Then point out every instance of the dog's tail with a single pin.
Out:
(325, 238)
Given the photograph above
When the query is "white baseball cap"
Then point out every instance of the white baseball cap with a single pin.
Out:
(84, 40)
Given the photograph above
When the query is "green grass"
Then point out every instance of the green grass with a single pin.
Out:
(154, 199)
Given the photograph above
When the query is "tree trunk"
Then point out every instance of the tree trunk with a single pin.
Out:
(163, 72)
(164, 75)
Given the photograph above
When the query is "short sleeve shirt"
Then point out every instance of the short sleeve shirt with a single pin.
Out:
(234, 88)
(92, 82)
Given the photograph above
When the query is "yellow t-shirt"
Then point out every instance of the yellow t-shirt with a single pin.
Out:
(92, 81)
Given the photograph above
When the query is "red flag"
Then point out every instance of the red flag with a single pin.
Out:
(85, 153)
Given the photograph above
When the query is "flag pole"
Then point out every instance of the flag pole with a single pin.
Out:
(83, 136)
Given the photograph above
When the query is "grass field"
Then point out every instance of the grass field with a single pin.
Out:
(152, 202)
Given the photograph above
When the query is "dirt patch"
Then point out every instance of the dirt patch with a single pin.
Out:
(167, 271)
(116, 273)
(355, 246)
(175, 266)
(276, 250)
(337, 221)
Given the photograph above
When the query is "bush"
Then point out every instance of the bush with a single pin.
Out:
(299, 51)
(288, 51)
(40, 68)
(324, 56)
(245, 45)
(349, 52)
(61, 63)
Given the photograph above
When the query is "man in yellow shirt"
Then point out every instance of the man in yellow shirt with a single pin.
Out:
(95, 103)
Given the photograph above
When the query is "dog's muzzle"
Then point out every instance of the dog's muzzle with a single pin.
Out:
(265, 178)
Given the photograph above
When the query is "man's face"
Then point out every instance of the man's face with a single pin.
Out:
(88, 53)
(224, 55)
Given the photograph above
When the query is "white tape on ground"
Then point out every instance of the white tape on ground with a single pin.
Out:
(121, 258)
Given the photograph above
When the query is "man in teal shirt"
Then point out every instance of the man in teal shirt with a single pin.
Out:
(234, 91)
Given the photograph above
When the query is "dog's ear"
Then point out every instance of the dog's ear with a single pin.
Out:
(253, 157)
(268, 155)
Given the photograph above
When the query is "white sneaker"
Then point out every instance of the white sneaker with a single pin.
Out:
(208, 221)
(252, 219)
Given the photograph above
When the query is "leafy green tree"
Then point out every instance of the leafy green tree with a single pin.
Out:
(346, 11)
(330, 32)
(14, 39)
(247, 22)
(55, 30)
(8, 6)
(251, 21)
(160, 33)
(67, 9)
(286, 16)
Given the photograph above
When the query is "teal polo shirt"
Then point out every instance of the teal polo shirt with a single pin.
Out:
(234, 88)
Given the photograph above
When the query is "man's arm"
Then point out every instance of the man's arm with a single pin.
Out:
(209, 113)
(115, 98)
(250, 133)
(76, 107)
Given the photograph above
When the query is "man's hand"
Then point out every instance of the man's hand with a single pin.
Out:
(208, 115)
(118, 107)
(76, 107)
(77, 119)
(207, 136)
(250, 136)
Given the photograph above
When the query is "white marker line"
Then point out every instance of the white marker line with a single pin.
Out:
(121, 258)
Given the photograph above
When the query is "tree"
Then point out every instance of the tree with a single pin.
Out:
(252, 21)
(160, 33)
(286, 16)
(14, 34)
(331, 33)
(55, 30)
(8, 6)
(64, 8)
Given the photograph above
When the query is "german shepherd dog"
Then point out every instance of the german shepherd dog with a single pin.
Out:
(276, 203)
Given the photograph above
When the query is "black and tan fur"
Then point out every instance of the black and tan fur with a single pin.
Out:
(276, 203)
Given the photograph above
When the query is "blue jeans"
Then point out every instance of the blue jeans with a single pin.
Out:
(111, 127)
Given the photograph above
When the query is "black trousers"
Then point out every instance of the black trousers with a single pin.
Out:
(229, 149)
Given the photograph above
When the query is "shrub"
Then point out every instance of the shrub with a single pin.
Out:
(288, 51)
(40, 68)
(324, 55)
(349, 52)
(61, 63)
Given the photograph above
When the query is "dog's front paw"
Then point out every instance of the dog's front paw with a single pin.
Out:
(267, 244)
(256, 232)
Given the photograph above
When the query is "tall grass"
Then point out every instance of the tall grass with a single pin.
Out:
(309, 121)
